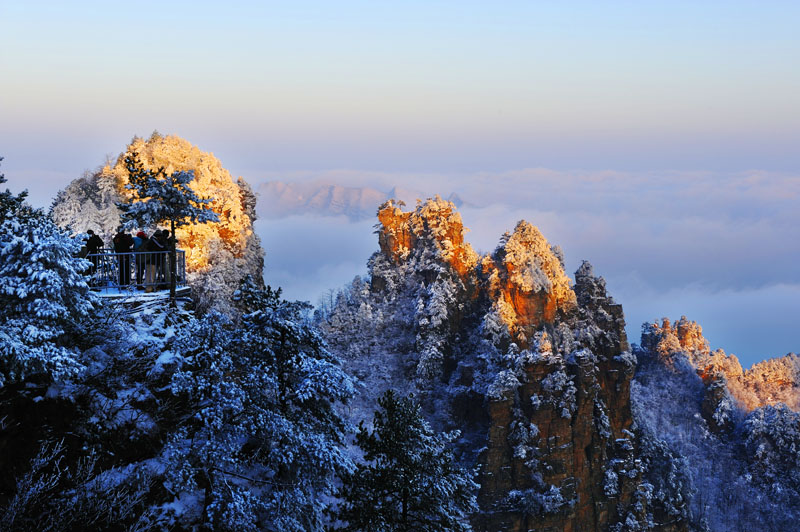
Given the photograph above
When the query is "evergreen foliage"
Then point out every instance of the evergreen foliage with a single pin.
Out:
(409, 481)
(261, 442)
(10, 204)
(743, 479)
(162, 198)
(89, 202)
(44, 296)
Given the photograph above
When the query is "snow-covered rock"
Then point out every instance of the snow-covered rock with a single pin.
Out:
(218, 255)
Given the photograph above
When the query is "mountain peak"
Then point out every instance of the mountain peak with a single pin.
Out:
(526, 280)
(524, 277)
(211, 180)
(684, 336)
(500, 348)
(217, 254)
(434, 223)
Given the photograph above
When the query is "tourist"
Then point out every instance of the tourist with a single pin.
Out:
(123, 245)
(139, 248)
(154, 267)
(93, 245)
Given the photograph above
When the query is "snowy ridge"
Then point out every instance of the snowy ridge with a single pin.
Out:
(736, 470)
(772, 381)
(278, 199)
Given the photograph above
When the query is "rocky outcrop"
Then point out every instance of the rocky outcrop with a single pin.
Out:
(770, 382)
(717, 405)
(535, 373)
(395, 237)
(551, 468)
(561, 453)
(594, 301)
(526, 282)
(425, 263)
(727, 454)
(776, 380)
(668, 340)
(434, 224)
(218, 255)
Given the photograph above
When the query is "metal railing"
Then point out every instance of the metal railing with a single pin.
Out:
(143, 270)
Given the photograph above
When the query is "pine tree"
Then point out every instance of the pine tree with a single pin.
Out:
(162, 198)
(263, 443)
(11, 204)
(409, 481)
(44, 296)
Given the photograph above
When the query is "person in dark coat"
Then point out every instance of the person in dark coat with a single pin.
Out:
(139, 248)
(170, 242)
(123, 246)
(93, 245)
(155, 261)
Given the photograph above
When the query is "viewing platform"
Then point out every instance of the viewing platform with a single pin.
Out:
(137, 278)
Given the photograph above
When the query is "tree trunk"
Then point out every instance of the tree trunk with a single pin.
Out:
(173, 259)
(208, 492)
(405, 508)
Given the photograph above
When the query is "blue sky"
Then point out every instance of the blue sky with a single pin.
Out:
(441, 88)
(412, 85)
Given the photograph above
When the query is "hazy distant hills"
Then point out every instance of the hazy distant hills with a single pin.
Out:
(277, 199)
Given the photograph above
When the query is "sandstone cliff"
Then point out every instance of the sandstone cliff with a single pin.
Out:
(526, 282)
(534, 372)
(434, 224)
(772, 381)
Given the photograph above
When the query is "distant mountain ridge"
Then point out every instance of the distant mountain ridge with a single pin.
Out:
(278, 199)
(769, 382)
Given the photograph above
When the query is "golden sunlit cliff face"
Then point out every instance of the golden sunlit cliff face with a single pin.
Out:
(211, 180)
(435, 221)
(769, 382)
(218, 255)
(524, 278)
(558, 422)
(526, 281)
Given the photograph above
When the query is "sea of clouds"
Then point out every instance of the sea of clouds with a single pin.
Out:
(722, 249)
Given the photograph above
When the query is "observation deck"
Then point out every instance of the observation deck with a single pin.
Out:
(137, 276)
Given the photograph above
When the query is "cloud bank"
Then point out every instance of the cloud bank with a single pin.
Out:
(720, 248)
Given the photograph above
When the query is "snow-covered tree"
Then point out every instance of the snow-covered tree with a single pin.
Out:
(162, 198)
(58, 496)
(10, 204)
(740, 479)
(89, 202)
(261, 442)
(772, 441)
(409, 481)
(43, 294)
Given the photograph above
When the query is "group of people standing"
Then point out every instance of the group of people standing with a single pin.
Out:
(152, 263)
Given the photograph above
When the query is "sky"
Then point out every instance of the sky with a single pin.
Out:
(690, 111)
